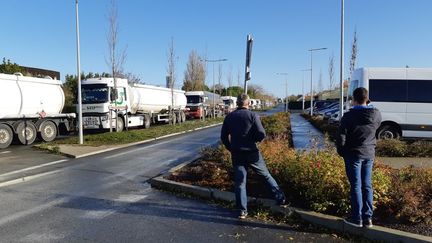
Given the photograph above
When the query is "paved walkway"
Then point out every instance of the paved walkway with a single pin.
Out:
(305, 136)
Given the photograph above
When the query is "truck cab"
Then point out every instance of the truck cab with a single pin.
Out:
(98, 95)
(197, 104)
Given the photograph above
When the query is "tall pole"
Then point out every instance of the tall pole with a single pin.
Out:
(286, 94)
(341, 104)
(214, 93)
(80, 123)
(303, 96)
(311, 87)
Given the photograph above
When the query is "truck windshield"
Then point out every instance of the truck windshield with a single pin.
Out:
(94, 93)
(228, 102)
(193, 99)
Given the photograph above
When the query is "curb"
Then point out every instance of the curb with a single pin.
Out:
(377, 233)
(136, 143)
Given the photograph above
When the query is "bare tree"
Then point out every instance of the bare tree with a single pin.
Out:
(229, 79)
(132, 78)
(331, 71)
(171, 74)
(354, 52)
(117, 57)
(195, 73)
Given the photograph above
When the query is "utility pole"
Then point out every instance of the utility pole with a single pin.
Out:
(341, 104)
(249, 43)
(80, 122)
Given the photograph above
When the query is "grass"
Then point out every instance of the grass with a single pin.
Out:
(135, 135)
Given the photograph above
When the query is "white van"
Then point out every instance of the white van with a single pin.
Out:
(404, 97)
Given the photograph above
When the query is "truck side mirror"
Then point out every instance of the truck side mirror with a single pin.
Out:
(113, 95)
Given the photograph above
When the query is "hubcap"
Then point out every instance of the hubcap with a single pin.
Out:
(387, 135)
(4, 136)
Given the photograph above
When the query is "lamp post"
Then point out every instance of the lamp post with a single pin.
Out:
(214, 88)
(341, 104)
(286, 90)
(80, 123)
(311, 81)
(303, 94)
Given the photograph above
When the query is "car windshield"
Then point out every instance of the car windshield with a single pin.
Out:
(94, 93)
(193, 99)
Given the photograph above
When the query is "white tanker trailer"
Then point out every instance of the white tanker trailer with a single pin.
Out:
(29, 107)
(137, 105)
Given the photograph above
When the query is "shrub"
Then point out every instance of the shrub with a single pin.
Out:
(391, 148)
(420, 149)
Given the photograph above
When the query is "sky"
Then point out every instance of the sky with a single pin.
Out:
(391, 33)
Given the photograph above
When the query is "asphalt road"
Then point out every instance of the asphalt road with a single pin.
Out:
(106, 198)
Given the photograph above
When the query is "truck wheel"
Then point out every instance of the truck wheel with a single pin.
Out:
(120, 124)
(147, 121)
(26, 132)
(48, 131)
(388, 132)
(6, 136)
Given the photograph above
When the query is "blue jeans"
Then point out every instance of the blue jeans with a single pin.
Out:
(359, 172)
(254, 160)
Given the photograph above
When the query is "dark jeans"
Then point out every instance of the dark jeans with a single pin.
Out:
(254, 160)
(359, 172)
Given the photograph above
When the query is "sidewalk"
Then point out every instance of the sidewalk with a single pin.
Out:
(305, 136)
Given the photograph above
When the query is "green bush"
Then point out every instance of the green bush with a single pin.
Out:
(420, 149)
(391, 148)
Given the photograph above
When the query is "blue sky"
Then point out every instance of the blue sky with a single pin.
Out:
(391, 33)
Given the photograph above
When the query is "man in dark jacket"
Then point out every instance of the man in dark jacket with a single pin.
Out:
(241, 130)
(356, 144)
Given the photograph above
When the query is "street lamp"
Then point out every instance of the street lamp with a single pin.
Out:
(341, 102)
(214, 88)
(286, 90)
(311, 88)
(80, 123)
(303, 94)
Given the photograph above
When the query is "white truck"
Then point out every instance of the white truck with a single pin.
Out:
(200, 104)
(230, 103)
(29, 107)
(137, 105)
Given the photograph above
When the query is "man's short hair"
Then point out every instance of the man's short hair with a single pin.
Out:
(361, 95)
(241, 99)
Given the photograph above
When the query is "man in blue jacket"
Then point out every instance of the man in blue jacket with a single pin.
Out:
(356, 143)
(241, 130)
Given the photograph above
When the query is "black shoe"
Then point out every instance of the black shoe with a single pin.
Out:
(367, 223)
(281, 200)
(354, 223)
(242, 215)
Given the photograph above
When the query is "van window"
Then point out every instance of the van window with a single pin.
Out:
(420, 91)
(388, 90)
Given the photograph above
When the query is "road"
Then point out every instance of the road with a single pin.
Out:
(106, 198)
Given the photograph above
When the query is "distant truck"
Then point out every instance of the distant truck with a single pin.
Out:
(200, 104)
(31, 107)
(138, 105)
(230, 103)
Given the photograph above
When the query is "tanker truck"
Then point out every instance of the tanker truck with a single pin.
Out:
(137, 105)
(230, 103)
(31, 107)
(200, 104)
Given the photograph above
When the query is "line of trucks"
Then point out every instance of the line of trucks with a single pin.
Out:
(32, 107)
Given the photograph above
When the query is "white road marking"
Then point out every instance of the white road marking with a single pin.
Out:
(31, 211)
(138, 149)
(27, 178)
(98, 214)
(5, 152)
(34, 167)
(130, 198)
